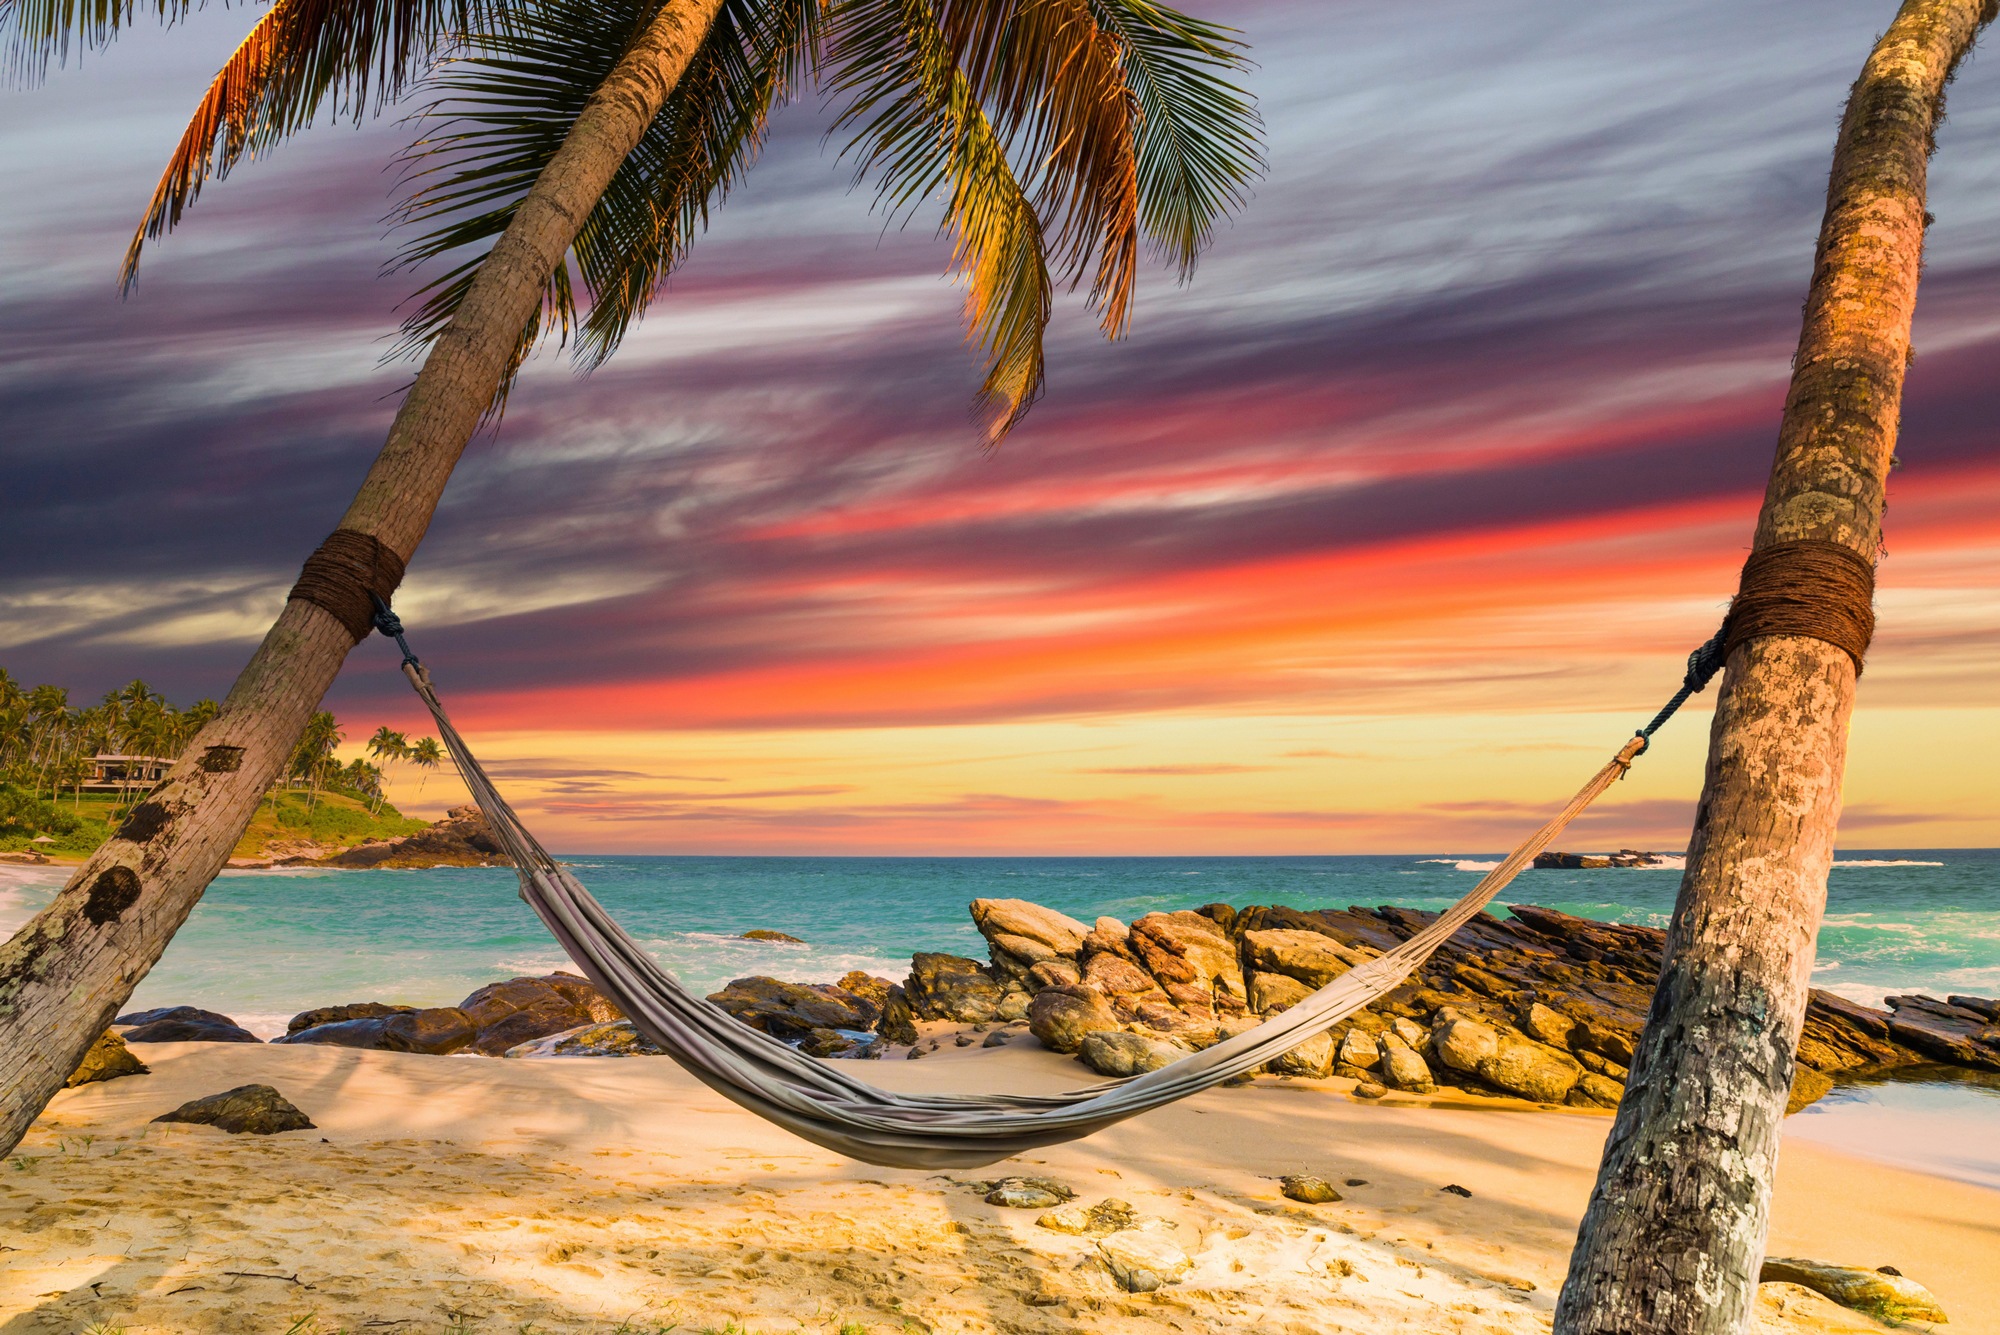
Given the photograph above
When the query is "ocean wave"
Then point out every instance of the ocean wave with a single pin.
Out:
(1464, 864)
(1886, 862)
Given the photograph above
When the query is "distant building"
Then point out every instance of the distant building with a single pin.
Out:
(125, 774)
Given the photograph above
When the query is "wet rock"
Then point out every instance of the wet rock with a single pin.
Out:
(1193, 960)
(1027, 1193)
(1507, 1061)
(436, 1031)
(353, 1010)
(108, 1059)
(1062, 1017)
(461, 839)
(614, 1038)
(1401, 1067)
(1117, 1053)
(1106, 1217)
(832, 1043)
(1369, 1089)
(951, 987)
(1020, 935)
(1142, 1261)
(257, 1110)
(1308, 1189)
(1961, 1035)
(1553, 861)
(897, 1024)
(183, 1024)
(1312, 1059)
(766, 934)
(1885, 1296)
(1311, 958)
(789, 1010)
(1808, 1086)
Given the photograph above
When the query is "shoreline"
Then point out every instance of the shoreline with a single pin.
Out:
(578, 1193)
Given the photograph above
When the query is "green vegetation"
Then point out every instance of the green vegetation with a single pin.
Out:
(47, 747)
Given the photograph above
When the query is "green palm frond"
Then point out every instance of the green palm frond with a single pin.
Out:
(344, 58)
(921, 131)
(1198, 132)
(500, 116)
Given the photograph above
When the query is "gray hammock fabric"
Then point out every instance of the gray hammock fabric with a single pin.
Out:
(821, 1103)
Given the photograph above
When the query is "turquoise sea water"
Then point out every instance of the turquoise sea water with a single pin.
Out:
(262, 946)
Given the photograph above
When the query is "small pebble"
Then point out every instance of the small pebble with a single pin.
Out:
(913, 1054)
(996, 1039)
(1310, 1190)
(963, 1040)
(1456, 1190)
(1368, 1089)
(1357, 1181)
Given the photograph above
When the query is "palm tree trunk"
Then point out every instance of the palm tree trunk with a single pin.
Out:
(1674, 1235)
(65, 974)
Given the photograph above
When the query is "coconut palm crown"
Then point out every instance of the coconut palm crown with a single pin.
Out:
(1055, 134)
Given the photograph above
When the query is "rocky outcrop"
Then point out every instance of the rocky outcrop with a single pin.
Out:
(436, 1031)
(793, 1010)
(766, 934)
(952, 987)
(461, 839)
(256, 1110)
(183, 1024)
(353, 1010)
(1624, 857)
(1963, 1031)
(615, 1038)
(1506, 1061)
(1062, 1017)
(1020, 935)
(108, 1059)
(520, 1009)
(1194, 962)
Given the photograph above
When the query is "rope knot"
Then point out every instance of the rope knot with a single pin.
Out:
(348, 575)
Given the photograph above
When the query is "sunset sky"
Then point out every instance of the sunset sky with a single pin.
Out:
(1376, 537)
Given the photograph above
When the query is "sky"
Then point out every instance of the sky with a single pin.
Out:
(1375, 537)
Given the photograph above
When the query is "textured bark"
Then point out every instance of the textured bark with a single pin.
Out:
(1674, 1235)
(66, 973)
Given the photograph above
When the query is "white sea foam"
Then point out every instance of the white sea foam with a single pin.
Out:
(1886, 862)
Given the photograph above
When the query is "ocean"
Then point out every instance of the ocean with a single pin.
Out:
(262, 946)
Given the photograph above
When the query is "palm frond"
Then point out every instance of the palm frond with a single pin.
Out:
(38, 33)
(920, 129)
(345, 58)
(1198, 132)
(499, 117)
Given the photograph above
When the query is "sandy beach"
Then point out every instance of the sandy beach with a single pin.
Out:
(600, 1195)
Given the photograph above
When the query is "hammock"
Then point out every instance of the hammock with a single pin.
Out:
(820, 1103)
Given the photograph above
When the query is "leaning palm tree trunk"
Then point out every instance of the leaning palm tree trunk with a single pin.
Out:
(1674, 1236)
(65, 974)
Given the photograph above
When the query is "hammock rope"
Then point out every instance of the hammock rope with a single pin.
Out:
(823, 1104)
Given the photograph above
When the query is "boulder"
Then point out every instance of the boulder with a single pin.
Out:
(897, 1024)
(1312, 958)
(1312, 1059)
(1961, 1035)
(1142, 1261)
(1127, 985)
(1117, 1053)
(1108, 935)
(766, 934)
(1359, 1049)
(435, 1030)
(1106, 1217)
(257, 1110)
(1053, 973)
(826, 1043)
(1401, 1067)
(1547, 1026)
(1507, 1061)
(1020, 935)
(1027, 1193)
(513, 1012)
(1594, 1091)
(1273, 992)
(108, 1059)
(951, 987)
(1308, 1189)
(613, 1038)
(353, 1010)
(789, 1010)
(183, 1024)
(1061, 1017)
(1882, 1295)
(1193, 960)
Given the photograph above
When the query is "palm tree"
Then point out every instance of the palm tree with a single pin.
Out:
(426, 755)
(313, 753)
(583, 142)
(387, 746)
(1674, 1236)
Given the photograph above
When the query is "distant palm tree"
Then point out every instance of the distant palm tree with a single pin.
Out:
(314, 753)
(582, 142)
(387, 746)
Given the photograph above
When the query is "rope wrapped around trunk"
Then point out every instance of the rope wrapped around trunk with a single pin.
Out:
(349, 575)
(1820, 590)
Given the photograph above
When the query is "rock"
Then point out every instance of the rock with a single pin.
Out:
(996, 1039)
(766, 934)
(1273, 992)
(1027, 1193)
(1358, 1049)
(353, 1010)
(1053, 973)
(1128, 986)
(1507, 1061)
(1061, 1017)
(1961, 1035)
(435, 1030)
(183, 1024)
(1401, 1067)
(1808, 1086)
(1412, 1033)
(1885, 1296)
(897, 1025)
(1020, 935)
(1309, 1189)
(1107, 1216)
(1369, 1089)
(1569, 861)
(789, 1010)
(951, 987)
(1143, 1261)
(1456, 1190)
(258, 1110)
(1117, 1053)
(1193, 960)
(614, 1038)
(831, 1043)
(1311, 958)
(1108, 935)
(1548, 1026)
(1312, 1059)
(518, 1010)
(108, 1059)
(461, 839)
(1595, 1091)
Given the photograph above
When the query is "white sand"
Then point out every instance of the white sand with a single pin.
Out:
(460, 1194)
